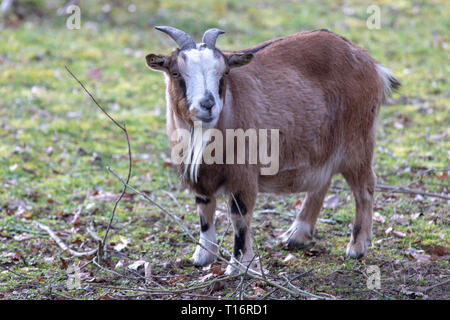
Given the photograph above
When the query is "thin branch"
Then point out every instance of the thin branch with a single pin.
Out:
(92, 233)
(95, 101)
(15, 273)
(172, 291)
(173, 198)
(123, 127)
(61, 243)
(294, 278)
(435, 285)
(400, 189)
(382, 187)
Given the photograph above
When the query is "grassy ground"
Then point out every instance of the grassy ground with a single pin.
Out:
(55, 144)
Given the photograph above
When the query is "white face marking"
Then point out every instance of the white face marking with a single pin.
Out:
(202, 71)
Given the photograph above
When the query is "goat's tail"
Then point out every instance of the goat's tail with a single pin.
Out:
(390, 83)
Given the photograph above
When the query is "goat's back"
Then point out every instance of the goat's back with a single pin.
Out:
(320, 90)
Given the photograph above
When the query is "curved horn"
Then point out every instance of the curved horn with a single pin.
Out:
(183, 40)
(210, 37)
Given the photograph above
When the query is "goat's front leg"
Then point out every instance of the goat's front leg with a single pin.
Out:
(241, 210)
(206, 208)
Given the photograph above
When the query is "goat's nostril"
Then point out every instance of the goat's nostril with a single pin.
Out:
(207, 106)
(207, 102)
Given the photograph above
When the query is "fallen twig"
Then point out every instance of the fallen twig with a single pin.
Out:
(400, 189)
(269, 211)
(435, 285)
(92, 233)
(61, 243)
(171, 291)
(286, 282)
(15, 273)
(382, 187)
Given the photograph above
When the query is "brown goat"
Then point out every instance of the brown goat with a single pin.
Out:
(319, 90)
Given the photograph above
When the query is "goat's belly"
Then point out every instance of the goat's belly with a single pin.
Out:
(296, 180)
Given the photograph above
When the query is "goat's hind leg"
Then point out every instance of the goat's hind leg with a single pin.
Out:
(300, 233)
(206, 208)
(362, 182)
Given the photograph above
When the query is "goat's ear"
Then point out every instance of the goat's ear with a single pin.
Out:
(157, 62)
(239, 59)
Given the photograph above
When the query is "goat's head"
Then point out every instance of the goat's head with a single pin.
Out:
(196, 75)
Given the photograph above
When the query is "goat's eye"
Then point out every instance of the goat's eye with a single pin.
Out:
(175, 74)
(227, 72)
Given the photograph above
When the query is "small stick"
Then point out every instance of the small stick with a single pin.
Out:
(399, 189)
(392, 189)
(16, 273)
(92, 233)
(173, 198)
(269, 211)
(171, 291)
(61, 243)
(435, 285)
(294, 278)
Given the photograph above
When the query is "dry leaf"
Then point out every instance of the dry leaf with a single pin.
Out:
(418, 255)
(206, 277)
(136, 265)
(259, 291)
(436, 250)
(12, 255)
(312, 252)
(416, 215)
(217, 286)
(124, 242)
(327, 221)
(148, 272)
(167, 164)
(399, 234)
(23, 236)
(399, 219)
(421, 257)
(119, 265)
(217, 270)
(378, 217)
(181, 278)
(331, 202)
(278, 232)
(290, 259)
(76, 217)
(27, 216)
(443, 176)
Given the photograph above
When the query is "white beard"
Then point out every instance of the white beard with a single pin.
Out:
(194, 156)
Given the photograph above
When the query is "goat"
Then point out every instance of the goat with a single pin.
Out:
(319, 90)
